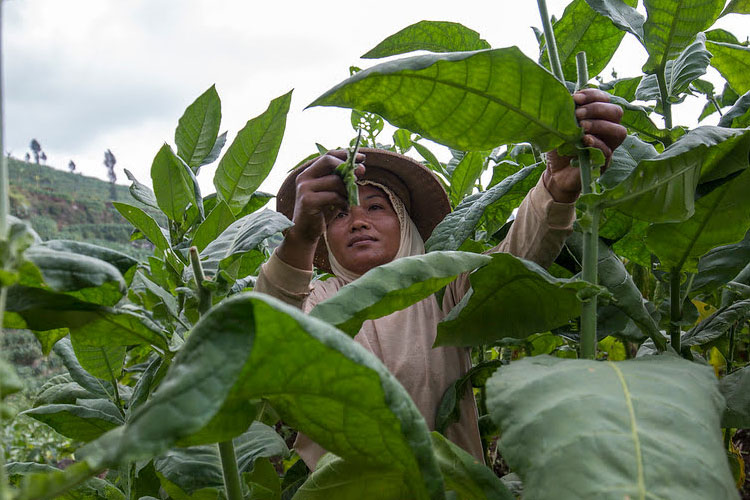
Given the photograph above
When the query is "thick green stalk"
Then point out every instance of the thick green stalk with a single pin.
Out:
(204, 294)
(589, 273)
(665, 105)
(583, 70)
(590, 238)
(676, 309)
(226, 448)
(229, 470)
(549, 37)
(591, 235)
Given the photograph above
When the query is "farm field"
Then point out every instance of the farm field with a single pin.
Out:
(156, 371)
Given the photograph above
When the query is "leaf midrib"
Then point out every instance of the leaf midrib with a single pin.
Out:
(634, 430)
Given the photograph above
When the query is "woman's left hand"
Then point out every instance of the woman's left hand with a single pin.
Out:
(600, 121)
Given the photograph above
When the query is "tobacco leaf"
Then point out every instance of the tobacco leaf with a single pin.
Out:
(458, 99)
(630, 407)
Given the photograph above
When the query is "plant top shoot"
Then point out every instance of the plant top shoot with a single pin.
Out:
(346, 172)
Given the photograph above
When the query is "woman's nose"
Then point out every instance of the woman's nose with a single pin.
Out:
(358, 218)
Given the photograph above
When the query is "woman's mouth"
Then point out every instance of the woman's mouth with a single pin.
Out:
(361, 240)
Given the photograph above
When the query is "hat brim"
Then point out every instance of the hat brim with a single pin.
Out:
(427, 202)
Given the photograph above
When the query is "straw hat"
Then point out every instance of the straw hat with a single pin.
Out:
(415, 185)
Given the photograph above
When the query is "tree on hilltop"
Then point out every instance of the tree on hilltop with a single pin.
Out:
(36, 150)
(71, 166)
(109, 162)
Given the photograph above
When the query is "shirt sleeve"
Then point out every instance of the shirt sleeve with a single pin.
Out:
(287, 283)
(537, 234)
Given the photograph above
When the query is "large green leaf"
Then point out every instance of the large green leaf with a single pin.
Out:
(737, 7)
(328, 386)
(736, 390)
(200, 467)
(249, 158)
(38, 309)
(662, 189)
(465, 176)
(87, 278)
(460, 224)
(581, 28)
(198, 128)
(636, 119)
(85, 421)
(721, 217)
(506, 302)
(672, 25)
(433, 36)
(461, 99)
(100, 388)
(144, 223)
(141, 192)
(121, 261)
(623, 420)
(624, 160)
(679, 73)
(337, 479)
(394, 286)
(622, 15)
(721, 265)
(174, 184)
(215, 223)
(614, 276)
(465, 475)
(738, 115)
(45, 481)
(733, 62)
(102, 361)
(717, 324)
(61, 390)
(241, 237)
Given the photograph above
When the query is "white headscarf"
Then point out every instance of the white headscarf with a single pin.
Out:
(411, 241)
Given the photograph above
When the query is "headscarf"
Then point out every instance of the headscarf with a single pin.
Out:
(411, 242)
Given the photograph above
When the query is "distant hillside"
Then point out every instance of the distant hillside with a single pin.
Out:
(63, 205)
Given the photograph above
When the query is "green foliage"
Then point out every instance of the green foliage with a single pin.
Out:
(623, 409)
(165, 357)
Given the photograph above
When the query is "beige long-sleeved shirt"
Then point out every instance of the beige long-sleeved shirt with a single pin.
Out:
(537, 234)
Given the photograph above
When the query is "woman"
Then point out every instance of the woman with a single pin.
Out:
(401, 202)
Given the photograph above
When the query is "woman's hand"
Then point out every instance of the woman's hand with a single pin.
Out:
(320, 193)
(600, 121)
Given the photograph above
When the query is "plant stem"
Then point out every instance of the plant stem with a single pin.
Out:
(590, 238)
(549, 37)
(589, 273)
(204, 294)
(226, 448)
(665, 105)
(730, 354)
(583, 70)
(676, 308)
(229, 470)
(716, 105)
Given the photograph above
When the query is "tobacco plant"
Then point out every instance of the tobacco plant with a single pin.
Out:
(170, 356)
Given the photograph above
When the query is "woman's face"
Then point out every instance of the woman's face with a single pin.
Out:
(367, 235)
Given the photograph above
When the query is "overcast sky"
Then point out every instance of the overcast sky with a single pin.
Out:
(82, 76)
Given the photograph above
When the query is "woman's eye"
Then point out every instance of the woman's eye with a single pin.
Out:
(341, 215)
(376, 207)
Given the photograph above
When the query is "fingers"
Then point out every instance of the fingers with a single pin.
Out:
(599, 111)
(586, 96)
(327, 163)
(605, 132)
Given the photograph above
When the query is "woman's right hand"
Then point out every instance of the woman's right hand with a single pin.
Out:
(320, 194)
